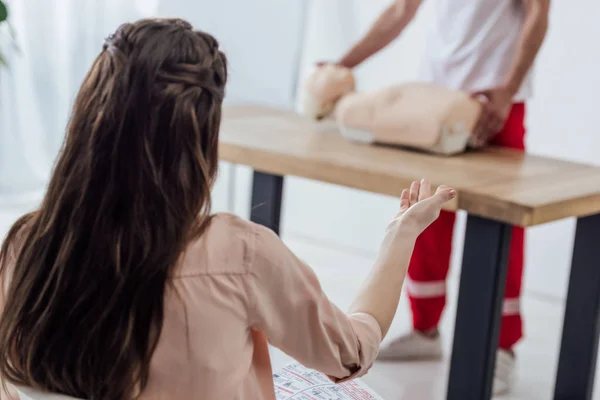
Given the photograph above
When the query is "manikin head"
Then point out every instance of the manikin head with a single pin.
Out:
(324, 87)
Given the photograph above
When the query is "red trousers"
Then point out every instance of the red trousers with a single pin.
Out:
(426, 283)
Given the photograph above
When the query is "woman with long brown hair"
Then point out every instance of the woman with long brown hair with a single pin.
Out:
(122, 284)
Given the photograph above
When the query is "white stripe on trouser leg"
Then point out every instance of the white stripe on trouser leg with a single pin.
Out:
(511, 307)
(424, 290)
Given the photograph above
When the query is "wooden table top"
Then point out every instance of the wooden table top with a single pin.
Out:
(498, 184)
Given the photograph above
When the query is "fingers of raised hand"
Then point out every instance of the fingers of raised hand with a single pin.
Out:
(421, 190)
(444, 193)
(441, 188)
(425, 190)
(404, 200)
(414, 192)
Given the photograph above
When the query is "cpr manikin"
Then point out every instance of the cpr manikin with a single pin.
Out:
(324, 88)
(416, 115)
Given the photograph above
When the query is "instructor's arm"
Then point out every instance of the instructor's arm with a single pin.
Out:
(530, 41)
(388, 27)
(498, 101)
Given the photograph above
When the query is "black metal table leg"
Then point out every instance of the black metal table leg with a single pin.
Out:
(265, 208)
(478, 317)
(581, 326)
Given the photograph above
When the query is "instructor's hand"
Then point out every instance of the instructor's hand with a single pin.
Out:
(496, 103)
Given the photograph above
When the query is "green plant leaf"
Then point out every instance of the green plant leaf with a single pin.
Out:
(3, 12)
(3, 61)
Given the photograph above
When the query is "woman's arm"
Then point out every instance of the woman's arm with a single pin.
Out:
(289, 306)
(381, 291)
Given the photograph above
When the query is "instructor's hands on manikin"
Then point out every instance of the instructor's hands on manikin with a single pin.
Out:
(495, 107)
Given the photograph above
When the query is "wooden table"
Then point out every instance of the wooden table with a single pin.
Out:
(497, 187)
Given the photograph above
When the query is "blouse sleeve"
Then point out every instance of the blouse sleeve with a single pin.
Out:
(289, 306)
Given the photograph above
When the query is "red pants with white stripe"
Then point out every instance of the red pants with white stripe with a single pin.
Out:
(426, 284)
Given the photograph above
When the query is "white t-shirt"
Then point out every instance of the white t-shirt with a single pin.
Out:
(472, 43)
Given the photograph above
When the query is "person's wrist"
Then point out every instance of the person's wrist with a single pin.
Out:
(510, 88)
(399, 241)
(345, 63)
(406, 228)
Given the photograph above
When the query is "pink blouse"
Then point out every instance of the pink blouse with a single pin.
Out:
(238, 289)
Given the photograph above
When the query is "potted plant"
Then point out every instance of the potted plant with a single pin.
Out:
(3, 20)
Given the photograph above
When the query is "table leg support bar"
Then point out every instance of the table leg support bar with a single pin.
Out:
(478, 317)
(265, 208)
(579, 344)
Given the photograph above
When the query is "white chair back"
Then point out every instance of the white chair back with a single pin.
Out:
(30, 394)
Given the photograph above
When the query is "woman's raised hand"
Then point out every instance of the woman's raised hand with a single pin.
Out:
(419, 208)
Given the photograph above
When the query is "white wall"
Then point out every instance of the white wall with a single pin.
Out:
(262, 43)
(59, 40)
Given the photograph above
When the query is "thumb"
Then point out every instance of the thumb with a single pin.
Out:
(482, 97)
(443, 195)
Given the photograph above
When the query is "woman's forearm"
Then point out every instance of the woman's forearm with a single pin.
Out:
(380, 293)
(387, 27)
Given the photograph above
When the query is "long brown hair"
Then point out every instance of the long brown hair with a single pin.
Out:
(131, 187)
